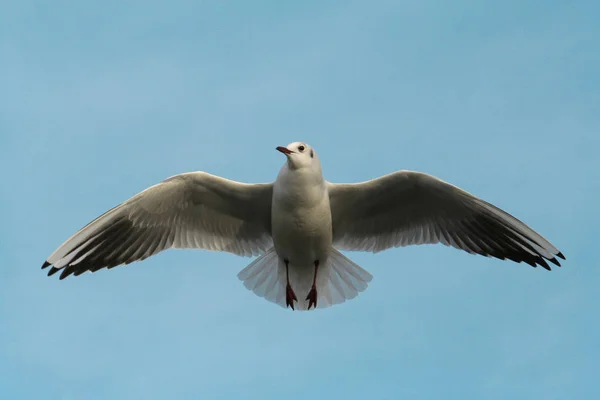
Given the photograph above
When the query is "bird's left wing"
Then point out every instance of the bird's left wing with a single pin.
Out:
(409, 208)
(191, 210)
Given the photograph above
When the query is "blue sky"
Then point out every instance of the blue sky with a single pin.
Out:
(101, 100)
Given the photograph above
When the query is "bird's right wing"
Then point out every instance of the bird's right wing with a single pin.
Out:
(410, 208)
(191, 210)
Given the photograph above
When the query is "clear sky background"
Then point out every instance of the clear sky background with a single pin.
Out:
(100, 100)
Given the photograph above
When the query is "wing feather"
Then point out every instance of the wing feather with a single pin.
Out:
(411, 208)
(192, 210)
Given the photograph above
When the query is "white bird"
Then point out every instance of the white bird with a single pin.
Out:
(297, 224)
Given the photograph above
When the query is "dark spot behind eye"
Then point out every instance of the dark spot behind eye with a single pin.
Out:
(301, 148)
(312, 154)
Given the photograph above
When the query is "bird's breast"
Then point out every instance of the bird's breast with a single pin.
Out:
(302, 232)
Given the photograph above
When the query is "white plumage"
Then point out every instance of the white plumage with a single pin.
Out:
(296, 224)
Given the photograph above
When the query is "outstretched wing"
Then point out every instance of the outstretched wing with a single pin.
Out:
(191, 210)
(410, 208)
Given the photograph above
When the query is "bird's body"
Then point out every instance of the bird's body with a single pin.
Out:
(301, 223)
(297, 225)
(301, 217)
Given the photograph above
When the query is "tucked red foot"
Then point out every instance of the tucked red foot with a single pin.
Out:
(290, 297)
(312, 297)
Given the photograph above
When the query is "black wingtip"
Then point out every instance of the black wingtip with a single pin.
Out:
(68, 270)
(554, 261)
(544, 264)
(46, 264)
(53, 270)
(561, 255)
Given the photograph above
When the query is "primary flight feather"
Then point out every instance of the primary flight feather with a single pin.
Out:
(296, 224)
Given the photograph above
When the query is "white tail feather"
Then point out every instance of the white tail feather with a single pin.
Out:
(339, 280)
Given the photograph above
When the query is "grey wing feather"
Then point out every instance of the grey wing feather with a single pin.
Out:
(192, 210)
(410, 208)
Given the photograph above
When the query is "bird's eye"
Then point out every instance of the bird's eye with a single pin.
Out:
(301, 148)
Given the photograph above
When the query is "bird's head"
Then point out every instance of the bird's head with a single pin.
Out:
(300, 155)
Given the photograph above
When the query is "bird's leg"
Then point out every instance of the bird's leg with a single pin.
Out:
(312, 295)
(290, 296)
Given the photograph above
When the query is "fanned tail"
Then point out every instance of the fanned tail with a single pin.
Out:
(339, 280)
(346, 280)
(262, 276)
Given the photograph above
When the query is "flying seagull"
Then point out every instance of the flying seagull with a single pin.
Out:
(297, 225)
